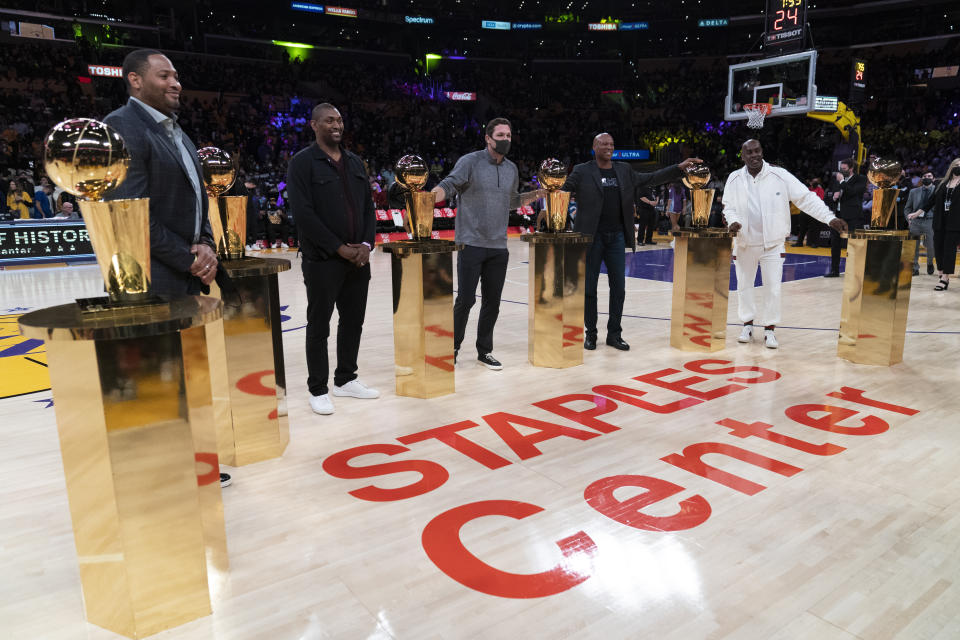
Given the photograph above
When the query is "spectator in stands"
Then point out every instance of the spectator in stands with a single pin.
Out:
(67, 213)
(44, 205)
(19, 201)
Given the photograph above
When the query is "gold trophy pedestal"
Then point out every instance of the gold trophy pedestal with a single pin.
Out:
(555, 312)
(876, 296)
(131, 387)
(423, 316)
(253, 343)
(701, 288)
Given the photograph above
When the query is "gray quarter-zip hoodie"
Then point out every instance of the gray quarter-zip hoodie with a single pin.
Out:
(488, 192)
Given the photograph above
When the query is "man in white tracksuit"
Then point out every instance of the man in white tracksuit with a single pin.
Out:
(756, 205)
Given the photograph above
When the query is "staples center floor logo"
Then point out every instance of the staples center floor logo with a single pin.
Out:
(441, 536)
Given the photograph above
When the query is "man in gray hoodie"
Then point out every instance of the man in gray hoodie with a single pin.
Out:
(486, 183)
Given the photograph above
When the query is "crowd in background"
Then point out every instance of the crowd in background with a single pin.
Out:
(259, 110)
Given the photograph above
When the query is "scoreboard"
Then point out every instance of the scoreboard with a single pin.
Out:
(786, 22)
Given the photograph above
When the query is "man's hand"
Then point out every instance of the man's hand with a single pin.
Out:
(439, 195)
(838, 225)
(686, 164)
(735, 227)
(914, 215)
(348, 252)
(204, 264)
(363, 254)
(836, 196)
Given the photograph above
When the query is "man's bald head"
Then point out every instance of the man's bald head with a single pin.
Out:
(603, 147)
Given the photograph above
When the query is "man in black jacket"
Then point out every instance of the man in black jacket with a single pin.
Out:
(848, 200)
(605, 198)
(330, 192)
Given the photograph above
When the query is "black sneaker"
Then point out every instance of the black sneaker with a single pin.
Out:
(225, 480)
(490, 362)
(929, 269)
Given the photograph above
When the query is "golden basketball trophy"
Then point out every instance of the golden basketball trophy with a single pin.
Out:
(557, 273)
(877, 278)
(254, 376)
(422, 293)
(701, 273)
(131, 385)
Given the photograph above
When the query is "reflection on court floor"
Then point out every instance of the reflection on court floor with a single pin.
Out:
(658, 265)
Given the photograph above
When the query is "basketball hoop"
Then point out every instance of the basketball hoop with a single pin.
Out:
(756, 112)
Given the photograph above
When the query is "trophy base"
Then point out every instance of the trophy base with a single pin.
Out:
(557, 272)
(701, 289)
(105, 304)
(876, 296)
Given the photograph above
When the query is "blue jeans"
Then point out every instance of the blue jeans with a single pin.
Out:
(608, 248)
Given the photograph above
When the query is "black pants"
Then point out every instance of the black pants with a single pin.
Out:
(489, 268)
(647, 223)
(836, 243)
(945, 248)
(334, 283)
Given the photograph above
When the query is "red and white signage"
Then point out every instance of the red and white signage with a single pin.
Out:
(342, 11)
(845, 415)
(461, 96)
(105, 72)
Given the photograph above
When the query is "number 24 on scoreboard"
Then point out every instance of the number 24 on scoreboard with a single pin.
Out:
(785, 21)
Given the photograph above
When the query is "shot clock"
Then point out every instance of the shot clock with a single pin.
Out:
(786, 23)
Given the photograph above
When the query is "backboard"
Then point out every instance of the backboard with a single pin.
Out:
(786, 83)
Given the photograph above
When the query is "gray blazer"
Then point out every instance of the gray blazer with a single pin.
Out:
(584, 181)
(157, 172)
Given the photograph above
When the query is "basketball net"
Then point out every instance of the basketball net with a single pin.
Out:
(756, 113)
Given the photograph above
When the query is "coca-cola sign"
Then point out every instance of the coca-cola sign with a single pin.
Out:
(461, 96)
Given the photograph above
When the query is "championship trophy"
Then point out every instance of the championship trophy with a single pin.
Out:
(557, 272)
(877, 278)
(422, 293)
(131, 388)
(701, 273)
(249, 366)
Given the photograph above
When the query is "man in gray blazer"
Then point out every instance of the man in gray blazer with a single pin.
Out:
(164, 167)
(605, 193)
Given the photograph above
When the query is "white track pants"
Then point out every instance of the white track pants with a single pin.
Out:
(771, 269)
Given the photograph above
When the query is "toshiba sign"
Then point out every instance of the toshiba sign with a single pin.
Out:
(461, 96)
(106, 72)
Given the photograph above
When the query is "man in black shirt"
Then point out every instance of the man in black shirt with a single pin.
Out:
(646, 215)
(605, 198)
(330, 191)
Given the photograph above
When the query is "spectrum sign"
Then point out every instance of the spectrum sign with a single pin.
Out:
(417, 20)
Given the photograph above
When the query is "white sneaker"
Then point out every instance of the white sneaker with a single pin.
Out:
(321, 404)
(284, 245)
(356, 389)
(746, 334)
(769, 340)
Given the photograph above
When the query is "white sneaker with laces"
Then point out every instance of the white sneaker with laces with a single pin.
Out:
(769, 340)
(356, 389)
(321, 404)
(746, 334)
